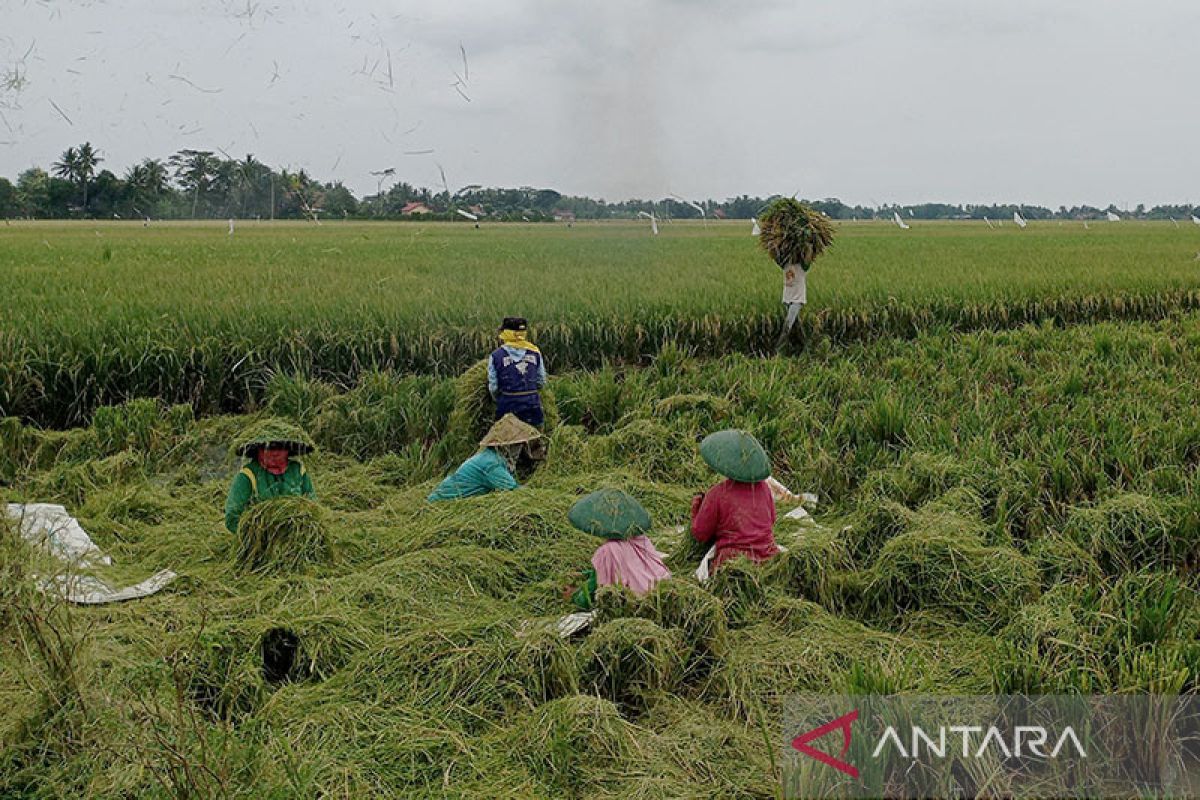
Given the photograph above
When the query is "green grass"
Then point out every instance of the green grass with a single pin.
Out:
(186, 313)
(1003, 510)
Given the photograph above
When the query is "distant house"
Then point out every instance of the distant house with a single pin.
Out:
(719, 214)
(415, 208)
(564, 216)
(476, 209)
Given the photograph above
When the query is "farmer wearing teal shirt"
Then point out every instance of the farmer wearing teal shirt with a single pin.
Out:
(273, 469)
(493, 468)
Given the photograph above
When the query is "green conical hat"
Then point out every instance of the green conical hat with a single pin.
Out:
(736, 455)
(273, 432)
(610, 513)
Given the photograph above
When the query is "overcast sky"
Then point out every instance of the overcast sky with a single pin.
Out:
(1038, 101)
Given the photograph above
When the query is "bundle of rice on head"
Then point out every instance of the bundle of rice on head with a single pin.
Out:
(273, 433)
(794, 232)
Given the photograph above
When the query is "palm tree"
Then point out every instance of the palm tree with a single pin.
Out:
(194, 171)
(79, 166)
(67, 166)
(250, 177)
(89, 159)
(148, 180)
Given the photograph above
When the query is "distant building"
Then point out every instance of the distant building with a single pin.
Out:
(415, 208)
(719, 214)
(564, 216)
(476, 209)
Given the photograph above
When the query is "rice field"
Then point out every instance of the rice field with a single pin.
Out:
(1007, 510)
(97, 313)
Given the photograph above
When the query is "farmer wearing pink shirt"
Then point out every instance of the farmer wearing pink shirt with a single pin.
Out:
(628, 557)
(737, 515)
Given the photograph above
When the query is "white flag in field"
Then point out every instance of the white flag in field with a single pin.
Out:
(1195, 219)
(757, 231)
(988, 221)
(1017, 218)
(466, 214)
(1113, 217)
(899, 222)
(653, 221)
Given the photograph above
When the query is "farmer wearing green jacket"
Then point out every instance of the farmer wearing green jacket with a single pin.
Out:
(273, 468)
(493, 468)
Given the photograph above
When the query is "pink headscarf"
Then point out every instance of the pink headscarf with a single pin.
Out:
(633, 563)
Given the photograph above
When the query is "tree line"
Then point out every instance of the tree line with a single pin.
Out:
(199, 184)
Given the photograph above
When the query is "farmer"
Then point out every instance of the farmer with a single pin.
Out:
(628, 557)
(516, 373)
(795, 295)
(493, 468)
(273, 469)
(737, 515)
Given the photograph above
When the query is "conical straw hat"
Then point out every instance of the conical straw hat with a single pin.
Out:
(509, 430)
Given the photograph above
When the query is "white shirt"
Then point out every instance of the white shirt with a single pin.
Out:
(795, 288)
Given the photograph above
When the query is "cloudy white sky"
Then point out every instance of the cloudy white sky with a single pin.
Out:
(1042, 101)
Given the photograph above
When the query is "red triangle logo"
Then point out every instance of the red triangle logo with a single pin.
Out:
(843, 722)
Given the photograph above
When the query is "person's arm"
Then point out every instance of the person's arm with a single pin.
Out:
(499, 478)
(706, 516)
(306, 486)
(236, 501)
(585, 595)
(493, 383)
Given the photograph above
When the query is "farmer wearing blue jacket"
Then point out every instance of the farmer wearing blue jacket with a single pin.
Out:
(516, 373)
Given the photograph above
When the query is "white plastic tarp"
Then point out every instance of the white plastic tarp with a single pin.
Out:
(52, 529)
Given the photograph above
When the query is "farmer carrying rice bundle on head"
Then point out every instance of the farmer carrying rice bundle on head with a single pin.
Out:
(737, 515)
(494, 467)
(628, 557)
(794, 234)
(516, 373)
(273, 469)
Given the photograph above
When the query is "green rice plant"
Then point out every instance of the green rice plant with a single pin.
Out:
(72, 483)
(17, 445)
(565, 741)
(297, 397)
(1150, 608)
(1052, 646)
(283, 535)
(1130, 531)
(931, 569)
(1060, 559)
(481, 669)
(807, 568)
(743, 586)
(675, 604)
(595, 400)
(631, 661)
(224, 670)
(144, 424)
(385, 412)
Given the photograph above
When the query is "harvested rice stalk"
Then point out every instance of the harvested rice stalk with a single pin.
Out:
(283, 534)
(566, 739)
(675, 604)
(631, 661)
(794, 232)
(938, 569)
